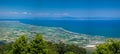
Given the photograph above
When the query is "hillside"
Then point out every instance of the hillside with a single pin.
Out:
(10, 30)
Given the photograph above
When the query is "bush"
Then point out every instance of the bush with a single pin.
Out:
(109, 47)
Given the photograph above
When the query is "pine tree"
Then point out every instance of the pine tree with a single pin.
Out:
(38, 45)
(20, 46)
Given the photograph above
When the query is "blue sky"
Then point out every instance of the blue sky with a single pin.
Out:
(60, 8)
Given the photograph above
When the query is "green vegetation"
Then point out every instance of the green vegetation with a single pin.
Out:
(69, 53)
(39, 46)
(4, 48)
(109, 47)
(19, 46)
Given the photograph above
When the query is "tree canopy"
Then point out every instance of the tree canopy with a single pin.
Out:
(39, 46)
(109, 47)
(20, 46)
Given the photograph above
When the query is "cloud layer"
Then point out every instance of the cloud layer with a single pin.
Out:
(62, 13)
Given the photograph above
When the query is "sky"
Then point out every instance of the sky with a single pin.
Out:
(60, 8)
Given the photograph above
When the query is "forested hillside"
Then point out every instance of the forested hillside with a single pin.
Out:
(39, 46)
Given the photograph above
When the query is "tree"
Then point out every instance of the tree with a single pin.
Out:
(61, 48)
(52, 48)
(20, 46)
(52, 51)
(75, 49)
(69, 53)
(67, 48)
(5, 48)
(38, 45)
(109, 47)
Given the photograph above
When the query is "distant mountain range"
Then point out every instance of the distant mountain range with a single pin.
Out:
(63, 18)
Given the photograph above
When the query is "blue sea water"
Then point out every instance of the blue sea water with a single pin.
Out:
(107, 28)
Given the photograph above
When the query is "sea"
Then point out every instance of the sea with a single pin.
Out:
(107, 28)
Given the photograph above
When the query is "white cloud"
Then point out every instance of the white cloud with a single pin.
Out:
(51, 14)
(75, 13)
(43, 14)
(61, 14)
(13, 13)
(25, 13)
(66, 14)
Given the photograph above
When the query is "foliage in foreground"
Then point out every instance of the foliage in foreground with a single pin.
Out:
(109, 47)
(39, 46)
